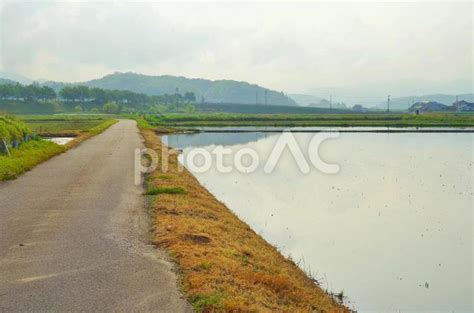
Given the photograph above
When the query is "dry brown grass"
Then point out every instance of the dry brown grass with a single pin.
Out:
(225, 265)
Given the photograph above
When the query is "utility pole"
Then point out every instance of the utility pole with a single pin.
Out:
(388, 103)
(330, 101)
(265, 97)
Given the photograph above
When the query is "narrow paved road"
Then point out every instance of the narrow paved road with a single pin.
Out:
(74, 231)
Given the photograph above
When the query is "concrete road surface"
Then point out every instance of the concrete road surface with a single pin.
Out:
(74, 235)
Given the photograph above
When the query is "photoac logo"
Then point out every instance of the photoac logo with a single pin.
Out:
(147, 160)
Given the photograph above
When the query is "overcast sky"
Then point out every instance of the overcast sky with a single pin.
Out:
(401, 48)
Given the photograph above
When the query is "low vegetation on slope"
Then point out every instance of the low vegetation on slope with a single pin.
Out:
(19, 150)
(225, 265)
(12, 132)
(28, 155)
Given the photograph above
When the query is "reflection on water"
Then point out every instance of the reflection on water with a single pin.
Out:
(207, 139)
(393, 228)
(60, 140)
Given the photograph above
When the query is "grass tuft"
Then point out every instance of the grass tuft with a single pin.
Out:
(152, 191)
(204, 266)
(164, 177)
(206, 303)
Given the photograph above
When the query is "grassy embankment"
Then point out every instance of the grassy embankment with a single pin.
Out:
(34, 152)
(325, 120)
(225, 265)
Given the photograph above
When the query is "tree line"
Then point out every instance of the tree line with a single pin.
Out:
(90, 96)
(30, 92)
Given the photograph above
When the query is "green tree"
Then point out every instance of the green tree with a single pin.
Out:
(74, 93)
(111, 107)
(189, 97)
(47, 93)
(68, 93)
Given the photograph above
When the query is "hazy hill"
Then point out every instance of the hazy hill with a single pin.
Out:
(4, 81)
(15, 78)
(317, 102)
(306, 100)
(404, 103)
(218, 91)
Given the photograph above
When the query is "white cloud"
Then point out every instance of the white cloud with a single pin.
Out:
(285, 46)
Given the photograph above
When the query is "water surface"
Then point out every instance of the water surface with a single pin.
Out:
(393, 229)
(60, 140)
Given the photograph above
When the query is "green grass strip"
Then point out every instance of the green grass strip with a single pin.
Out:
(28, 155)
(152, 191)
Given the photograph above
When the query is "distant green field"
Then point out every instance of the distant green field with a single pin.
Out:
(62, 124)
(289, 120)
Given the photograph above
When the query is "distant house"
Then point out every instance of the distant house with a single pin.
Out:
(463, 106)
(429, 106)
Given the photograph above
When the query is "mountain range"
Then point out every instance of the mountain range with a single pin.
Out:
(396, 104)
(222, 91)
(217, 91)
